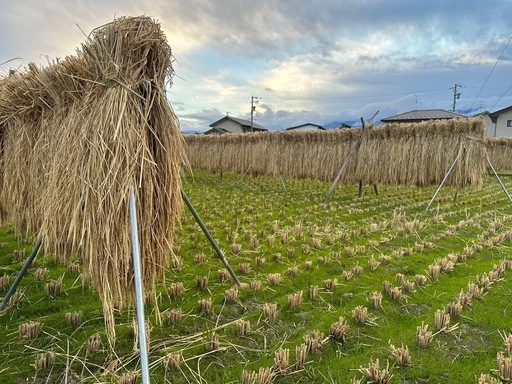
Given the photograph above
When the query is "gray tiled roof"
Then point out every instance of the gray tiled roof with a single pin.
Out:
(499, 112)
(303, 125)
(242, 122)
(247, 123)
(425, 114)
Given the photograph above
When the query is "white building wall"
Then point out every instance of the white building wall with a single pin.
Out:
(489, 125)
(231, 126)
(503, 126)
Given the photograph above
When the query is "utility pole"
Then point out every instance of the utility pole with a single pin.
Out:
(456, 95)
(254, 100)
(416, 97)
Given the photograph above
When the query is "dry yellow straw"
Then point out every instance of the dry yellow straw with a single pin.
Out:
(500, 153)
(76, 135)
(408, 154)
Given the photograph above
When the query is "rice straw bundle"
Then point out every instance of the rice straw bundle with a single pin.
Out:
(421, 153)
(409, 154)
(500, 153)
(76, 136)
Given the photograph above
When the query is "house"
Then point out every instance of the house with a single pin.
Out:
(499, 123)
(306, 127)
(421, 115)
(230, 124)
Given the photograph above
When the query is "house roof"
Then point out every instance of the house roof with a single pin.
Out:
(216, 131)
(499, 112)
(304, 125)
(420, 115)
(242, 122)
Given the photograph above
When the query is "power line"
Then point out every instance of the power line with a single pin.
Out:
(492, 70)
(501, 97)
(354, 97)
(185, 104)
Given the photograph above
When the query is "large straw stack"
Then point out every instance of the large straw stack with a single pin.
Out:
(500, 153)
(409, 154)
(76, 136)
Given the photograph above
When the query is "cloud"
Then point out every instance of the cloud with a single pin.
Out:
(273, 119)
(310, 60)
(199, 121)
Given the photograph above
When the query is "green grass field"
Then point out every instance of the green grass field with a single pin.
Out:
(381, 262)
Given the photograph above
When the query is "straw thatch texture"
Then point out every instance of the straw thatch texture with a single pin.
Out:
(500, 153)
(409, 154)
(421, 153)
(76, 136)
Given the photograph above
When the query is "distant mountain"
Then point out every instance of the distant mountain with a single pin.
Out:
(468, 112)
(189, 132)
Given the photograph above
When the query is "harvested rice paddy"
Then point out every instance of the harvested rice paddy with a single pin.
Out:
(355, 290)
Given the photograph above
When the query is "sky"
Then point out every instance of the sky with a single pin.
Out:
(302, 61)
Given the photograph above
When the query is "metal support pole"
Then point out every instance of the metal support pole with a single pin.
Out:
(283, 183)
(21, 273)
(209, 236)
(353, 150)
(497, 177)
(442, 182)
(139, 294)
(245, 173)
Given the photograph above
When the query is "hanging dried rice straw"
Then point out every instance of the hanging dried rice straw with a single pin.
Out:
(76, 136)
(500, 153)
(408, 154)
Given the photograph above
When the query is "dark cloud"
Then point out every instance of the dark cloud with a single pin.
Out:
(287, 27)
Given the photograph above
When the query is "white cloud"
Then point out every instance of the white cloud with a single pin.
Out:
(320, 59)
